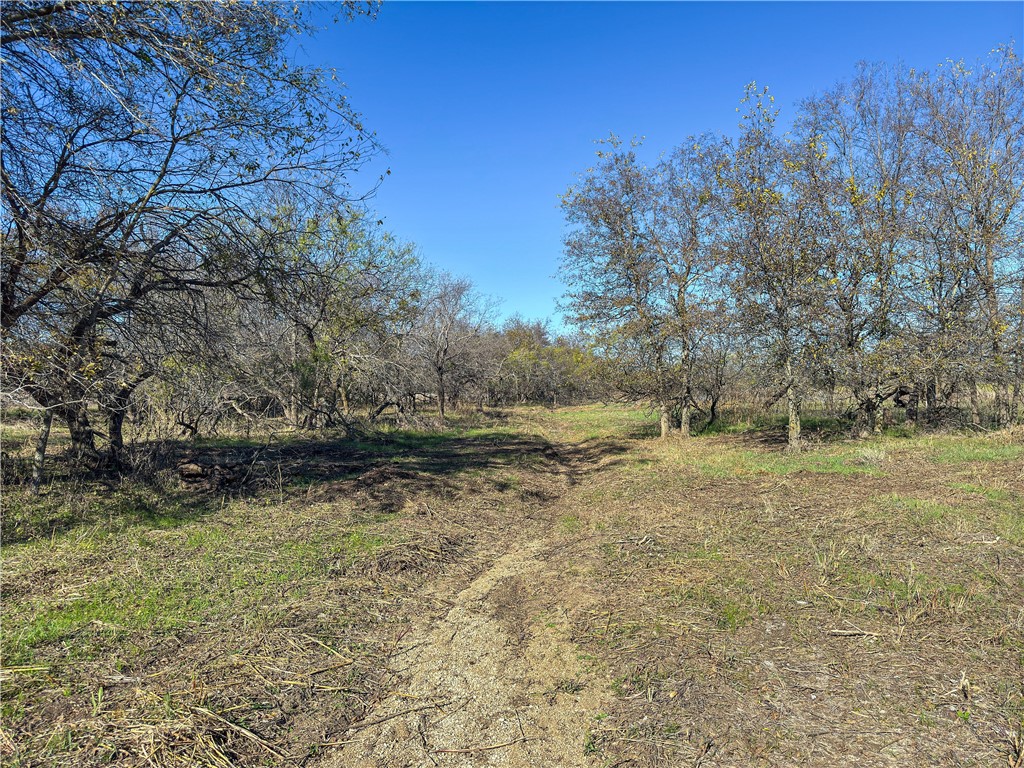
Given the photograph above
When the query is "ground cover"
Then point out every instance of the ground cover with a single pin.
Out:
(532, 587)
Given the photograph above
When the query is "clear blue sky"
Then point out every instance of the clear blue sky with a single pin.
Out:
(489, 110)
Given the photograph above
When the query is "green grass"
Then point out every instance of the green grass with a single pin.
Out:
(27, 517)
(85, 626)
(592, 422)
(732, 462)
(920, 512)
(961, 449)
(235, 567)
(905, 593)
(742, 421)
(1010, 525)
(992, 494)
(570, 523)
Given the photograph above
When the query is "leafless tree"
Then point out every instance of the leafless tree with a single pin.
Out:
(447, 337)
(858, 174)
(970, 125)
(640, 265)
(146, 148)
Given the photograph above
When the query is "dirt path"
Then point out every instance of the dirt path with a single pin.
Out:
(490, 679)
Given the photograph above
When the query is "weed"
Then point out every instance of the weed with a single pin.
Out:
(871, 455)
(570, 523)
(732, 615)
(992, 494)
(927, 720)
(828, 561)
(571, 685)
(923, 512)
(97, 701)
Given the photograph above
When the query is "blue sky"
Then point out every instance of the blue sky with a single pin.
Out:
(489, 110)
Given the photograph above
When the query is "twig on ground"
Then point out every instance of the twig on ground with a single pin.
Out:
(244, 731)
(854, 632)
(393, 715)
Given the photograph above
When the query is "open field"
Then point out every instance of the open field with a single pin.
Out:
(536, 587)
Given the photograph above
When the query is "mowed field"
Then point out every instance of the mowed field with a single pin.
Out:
(530, 588)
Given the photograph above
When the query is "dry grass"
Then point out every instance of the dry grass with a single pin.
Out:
(732, 605)
(858, 604)
(219, 631)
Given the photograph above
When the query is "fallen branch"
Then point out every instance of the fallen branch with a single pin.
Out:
(854, 632)
(242, 730)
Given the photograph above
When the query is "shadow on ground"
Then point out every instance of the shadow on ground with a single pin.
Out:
(381, 471)
(389, 469)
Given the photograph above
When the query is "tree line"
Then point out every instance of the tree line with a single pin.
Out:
(183, 247)
(872, 253)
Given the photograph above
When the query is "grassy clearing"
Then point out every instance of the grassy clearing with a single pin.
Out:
(747, 596)
(730, 463)
(728, 598)
(960, 450)
(156, 621)
(137, 611)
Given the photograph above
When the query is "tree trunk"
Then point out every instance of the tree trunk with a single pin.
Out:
(441, 396)
(1003, 404)
(1017, 409)
(115, 425)
(116, 410)
(931, 396)
(868, 407)
(346, 409)
(684, 419)
(913, 404)
(712, 413)
(879, 412)
(83, 438)
(975, 404)
(666, 419)
(793, 406)
(39, 457)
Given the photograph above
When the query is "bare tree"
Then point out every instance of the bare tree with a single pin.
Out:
(971, 130)
(858, 174)
(146, 146)
(639, 262)
(446, 339)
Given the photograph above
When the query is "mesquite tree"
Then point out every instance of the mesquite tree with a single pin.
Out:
(639, 265)
(145, 148)
(447, 338)
(858, 175)
(776, 248)
(970, 125)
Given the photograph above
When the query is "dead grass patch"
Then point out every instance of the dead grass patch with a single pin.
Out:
(728, 604)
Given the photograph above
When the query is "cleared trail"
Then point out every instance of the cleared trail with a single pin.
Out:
(481, 686)
(489, 677)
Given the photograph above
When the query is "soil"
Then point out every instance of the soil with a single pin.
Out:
(542, 598)
(483, 681)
